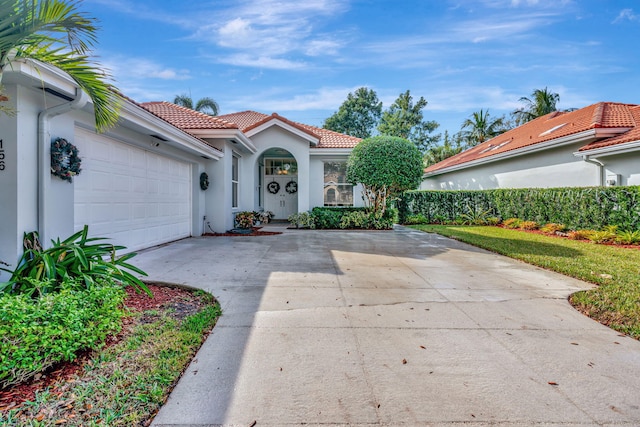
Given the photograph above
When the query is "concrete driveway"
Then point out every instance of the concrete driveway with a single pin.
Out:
(390, 328)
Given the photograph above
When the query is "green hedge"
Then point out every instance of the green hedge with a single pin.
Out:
(37, 333)
(577, 208)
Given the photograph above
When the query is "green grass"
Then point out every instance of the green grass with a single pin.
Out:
(615, 302)
(125, 384)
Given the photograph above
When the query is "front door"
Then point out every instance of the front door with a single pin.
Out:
(281, 195)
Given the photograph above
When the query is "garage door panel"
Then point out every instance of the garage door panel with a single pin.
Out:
(133, 196)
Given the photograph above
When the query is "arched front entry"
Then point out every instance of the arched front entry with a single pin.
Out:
(280, 183)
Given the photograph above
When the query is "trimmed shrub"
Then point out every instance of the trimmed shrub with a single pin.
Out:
(37, 333)
(302, 220)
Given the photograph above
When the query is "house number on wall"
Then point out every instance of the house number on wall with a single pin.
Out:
(1, 156)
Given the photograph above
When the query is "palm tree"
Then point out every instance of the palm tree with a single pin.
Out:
(542, 102)
(450, 147)
(56, 33)
(204, 105)
(481, 127)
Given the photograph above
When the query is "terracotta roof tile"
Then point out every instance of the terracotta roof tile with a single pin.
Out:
(185, 118)
(544, 129)
(632, 135)
(247, 120)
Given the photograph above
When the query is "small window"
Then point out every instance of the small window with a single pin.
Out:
(337, 191)
(234, 181)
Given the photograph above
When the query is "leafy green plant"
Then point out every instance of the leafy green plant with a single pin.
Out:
(528, 225)
(603, 236)
(35, 334)
(355, 219)
(493, 220)
(41, 271)
(512, 223)
(628, 237)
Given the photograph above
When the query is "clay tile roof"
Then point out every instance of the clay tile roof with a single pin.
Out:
(632, 135)
(545, 129)
(184, 118)
(247, 120)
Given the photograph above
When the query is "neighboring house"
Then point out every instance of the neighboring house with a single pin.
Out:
(595, 146)
(140, 181)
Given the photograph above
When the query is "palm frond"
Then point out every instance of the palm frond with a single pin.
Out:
(208, 106)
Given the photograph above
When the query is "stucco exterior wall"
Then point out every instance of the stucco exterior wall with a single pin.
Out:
(556, 167)
(624, 166)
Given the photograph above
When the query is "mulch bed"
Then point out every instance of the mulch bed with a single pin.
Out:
(562, 236)
(255, 231)
(181, 300)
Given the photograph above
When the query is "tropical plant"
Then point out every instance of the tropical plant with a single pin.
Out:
(358, 115)
(385, 166)
(56, 33)
(204, 105)
(512, 223)
(628, 237)
(475, 216)
(416, 219)
(528, 225)
(480, 127)
(78, 259)
(542, 102)
(552, 228)
(404, 119)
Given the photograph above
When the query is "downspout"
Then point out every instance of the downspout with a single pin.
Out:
(600, 168)
(44, 163)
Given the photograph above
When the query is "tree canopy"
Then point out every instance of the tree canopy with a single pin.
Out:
(404, 119)
(204, 105)
(542, 102)
(385, 166)
(358, 115)
(56, 33)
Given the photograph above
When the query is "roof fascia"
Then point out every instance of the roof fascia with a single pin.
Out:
(626, 147)
(558, 142)
(330, 151)
(42, 73)
(274, 121)
(233, 135)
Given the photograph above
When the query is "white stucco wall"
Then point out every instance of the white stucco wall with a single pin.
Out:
(626, 165)
(556, 167)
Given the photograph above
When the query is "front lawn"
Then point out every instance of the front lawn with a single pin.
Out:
(615, 302)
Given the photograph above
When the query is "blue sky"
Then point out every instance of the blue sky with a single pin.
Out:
(301, 58)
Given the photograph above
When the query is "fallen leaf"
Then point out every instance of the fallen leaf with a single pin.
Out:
(423, 347)
(404, 361)
(60, 421)
(574, 343)
(253, 423)
(552, 383)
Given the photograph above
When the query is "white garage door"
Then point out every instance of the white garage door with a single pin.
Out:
(133, 196)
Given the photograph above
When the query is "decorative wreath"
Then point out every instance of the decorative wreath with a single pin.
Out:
(65, 162)
(273, 187)
(204, 181)
(291, 187)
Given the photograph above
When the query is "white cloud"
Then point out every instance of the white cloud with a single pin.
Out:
(283, 99)
(140, 68)
(626, 15)
(268, 62)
